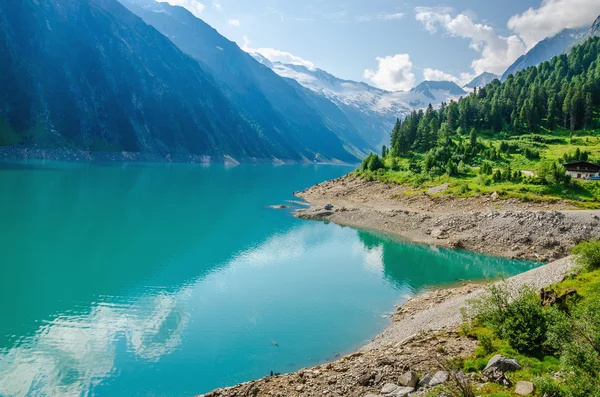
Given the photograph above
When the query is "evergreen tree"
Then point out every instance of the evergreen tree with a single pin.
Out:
(589, 111)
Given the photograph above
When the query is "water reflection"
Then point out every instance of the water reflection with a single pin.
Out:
(316, 289)
(174, 280)
(70, 355)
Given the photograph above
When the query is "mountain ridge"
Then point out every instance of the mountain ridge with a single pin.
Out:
(482, 80)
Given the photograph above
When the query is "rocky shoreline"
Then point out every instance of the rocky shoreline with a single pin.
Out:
(509, 228)
(75, 155)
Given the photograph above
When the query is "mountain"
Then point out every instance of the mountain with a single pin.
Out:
(546, 50)
(593, 31)
(482, 80)
(89, 74)
(274, 106)
(371, 109)
(430, 88)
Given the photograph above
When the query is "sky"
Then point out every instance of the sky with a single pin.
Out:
(393, 44)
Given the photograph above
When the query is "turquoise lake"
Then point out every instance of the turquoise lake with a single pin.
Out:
(172, 279)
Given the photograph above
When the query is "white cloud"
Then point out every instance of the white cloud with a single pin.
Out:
(496, 52)
(439, 75)
(234, 22)
(551, 17)
(275, 55)
(394, 73)
(193, 6)
(217, 6)
(381, 17)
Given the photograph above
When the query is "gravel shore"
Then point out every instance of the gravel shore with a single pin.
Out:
(447, 314)
(508, 228)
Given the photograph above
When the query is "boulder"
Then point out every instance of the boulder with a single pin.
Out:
(389, 388)
(409, 379)
(503, 364)
(424, 382)
(495, 196)
(392, 390)
(367, 379)
(495, 375)
(439, 378)
(524, 388)
(402, 392)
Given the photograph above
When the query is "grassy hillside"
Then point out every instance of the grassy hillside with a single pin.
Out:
(510, 138)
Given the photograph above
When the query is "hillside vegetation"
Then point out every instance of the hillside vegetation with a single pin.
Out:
(511, 138)
(554, 335)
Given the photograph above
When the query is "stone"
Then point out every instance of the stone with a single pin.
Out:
(409, 379)
(439, 378)
(424, 382)
(372, 395)
(524, 388)
(367, 378)
(299, 388)
(495, 375)
(378, 377)
(438, 233)
(503, 364)
(389, 388)
(495, 196)
(402, 392)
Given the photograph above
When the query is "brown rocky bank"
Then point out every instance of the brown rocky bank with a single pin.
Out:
(507, 228)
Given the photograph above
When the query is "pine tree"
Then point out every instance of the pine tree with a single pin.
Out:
(589, 111)
(552, 115)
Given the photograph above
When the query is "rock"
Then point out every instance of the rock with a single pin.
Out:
(279, 207)
(503, 364)
(372, 395)
(524, 388)
(367, 378)
(409, 379)
(439, 378)
(438, 233)
(378, 377)
(495, 196)
(389, 388)
(299, 388)
(495, 375)
(424, 382)
(402, 392)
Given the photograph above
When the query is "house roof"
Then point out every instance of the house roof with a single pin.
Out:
(583, 165)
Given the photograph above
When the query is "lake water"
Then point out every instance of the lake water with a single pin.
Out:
(172, 280)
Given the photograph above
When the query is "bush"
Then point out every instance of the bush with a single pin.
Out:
(581, 349)
(519, 320)
(547, 386)
(486, 344)
(587, 254)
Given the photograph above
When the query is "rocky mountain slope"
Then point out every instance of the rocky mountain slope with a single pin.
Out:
(371, 109)
(546, 50)
(482, 80)
(89, 74)
(275, 107)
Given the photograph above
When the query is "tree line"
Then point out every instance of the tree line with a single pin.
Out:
(562, 92)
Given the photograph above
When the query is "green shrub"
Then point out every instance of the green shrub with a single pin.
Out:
(547, 386)
(486, 344)
(587, 254)
(581, 349)
(519, 320)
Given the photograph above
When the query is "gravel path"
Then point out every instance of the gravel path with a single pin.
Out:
(447, 315)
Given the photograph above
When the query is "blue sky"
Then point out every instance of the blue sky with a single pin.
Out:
(394, 44)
